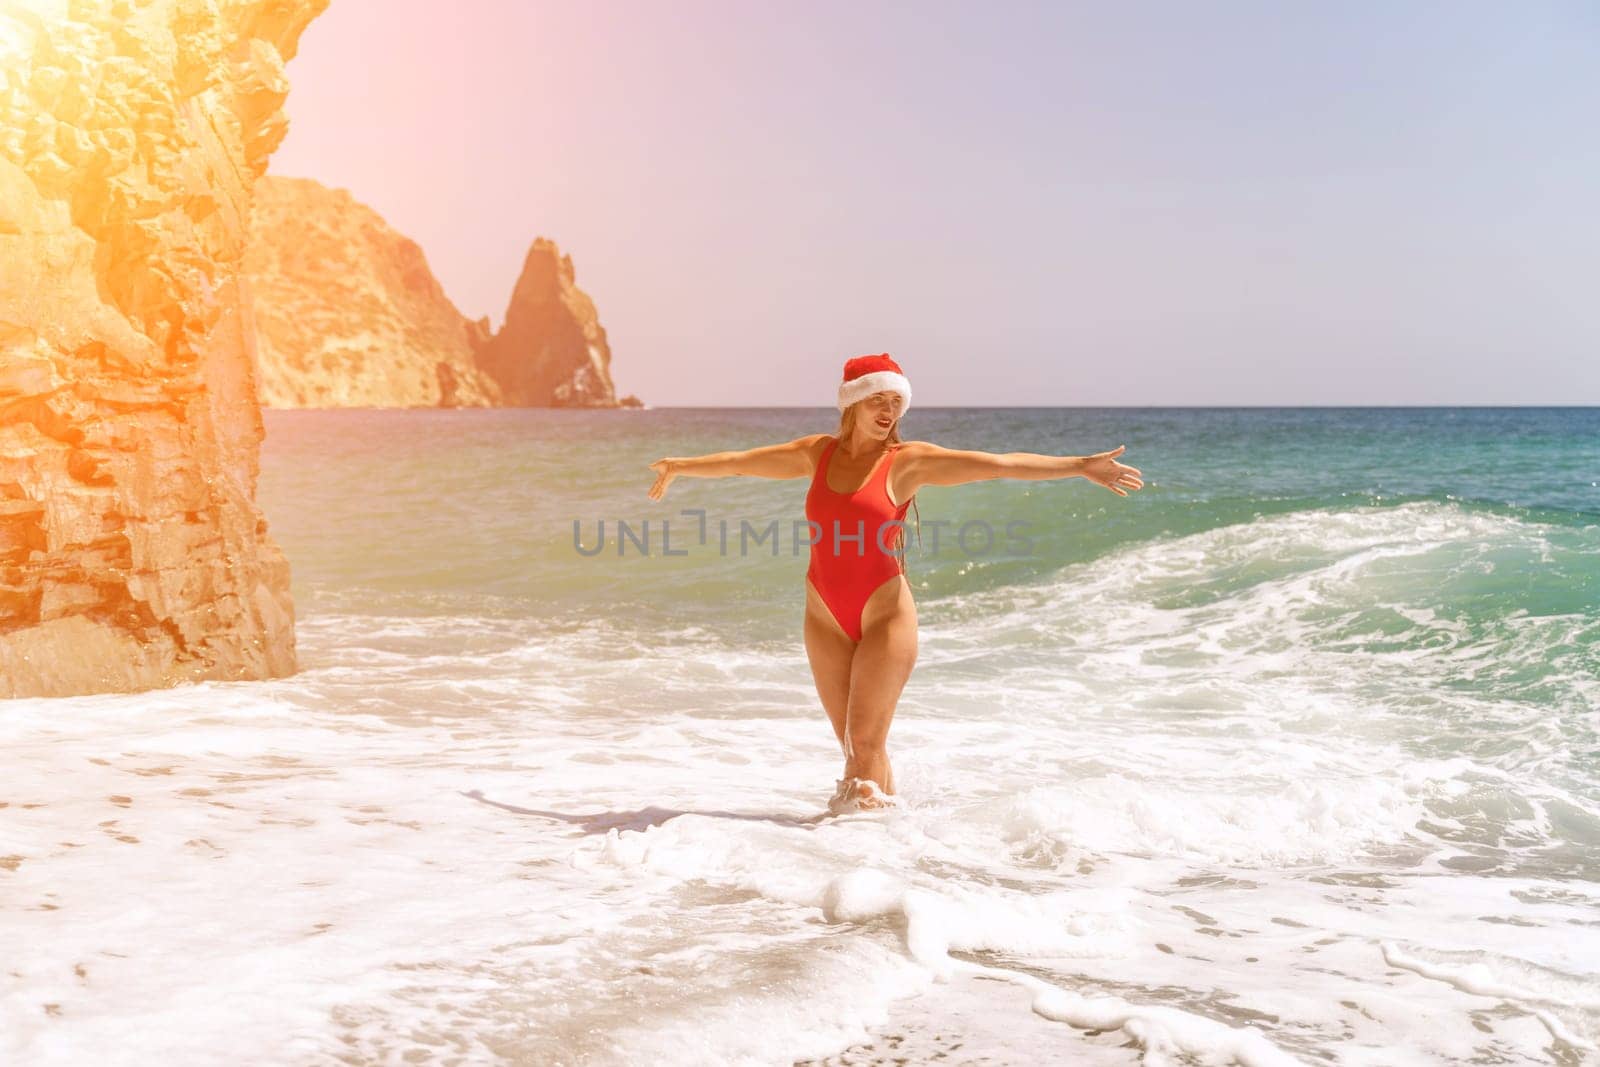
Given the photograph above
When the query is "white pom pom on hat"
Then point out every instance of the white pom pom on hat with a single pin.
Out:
(865, 375)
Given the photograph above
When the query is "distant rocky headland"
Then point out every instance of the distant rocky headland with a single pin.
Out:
(349, 315)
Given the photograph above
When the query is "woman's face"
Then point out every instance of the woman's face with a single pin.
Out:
(879, 412)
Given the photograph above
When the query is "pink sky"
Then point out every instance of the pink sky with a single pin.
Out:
(1025, 204)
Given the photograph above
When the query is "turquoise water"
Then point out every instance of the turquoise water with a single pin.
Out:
(480, 504)
(1484, 524)
(1291, 757)
(1321, 647)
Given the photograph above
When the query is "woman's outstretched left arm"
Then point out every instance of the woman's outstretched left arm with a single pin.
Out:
(925, 463)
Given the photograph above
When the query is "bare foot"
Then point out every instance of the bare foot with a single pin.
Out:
(860, 794)
(843, 796)
(870, 796)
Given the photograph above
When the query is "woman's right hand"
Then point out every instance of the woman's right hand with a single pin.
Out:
(1102, 468)
(665, 471)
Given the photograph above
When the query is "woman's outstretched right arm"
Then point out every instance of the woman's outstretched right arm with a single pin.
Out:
(791, 459)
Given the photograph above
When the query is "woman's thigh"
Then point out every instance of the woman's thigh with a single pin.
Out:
(882, 663)
(830, 651)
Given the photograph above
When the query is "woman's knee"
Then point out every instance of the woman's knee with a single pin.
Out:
(867, 741)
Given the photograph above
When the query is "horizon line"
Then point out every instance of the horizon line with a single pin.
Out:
(951, 407)
(1057, 407)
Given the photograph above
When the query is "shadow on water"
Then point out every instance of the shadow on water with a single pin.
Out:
(603, 821)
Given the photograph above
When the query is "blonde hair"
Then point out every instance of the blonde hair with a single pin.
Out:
(847, 423)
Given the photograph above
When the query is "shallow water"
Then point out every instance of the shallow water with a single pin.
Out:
(1291, 757)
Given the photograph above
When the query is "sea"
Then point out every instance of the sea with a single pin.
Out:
(1290, 757)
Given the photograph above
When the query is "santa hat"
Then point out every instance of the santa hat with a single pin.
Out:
(866, 375)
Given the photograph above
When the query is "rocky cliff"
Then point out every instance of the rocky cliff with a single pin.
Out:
(552, 350)
(132, 553)
(350, 316)
(348, 313)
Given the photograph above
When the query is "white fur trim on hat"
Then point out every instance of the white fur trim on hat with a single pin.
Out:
(876, 382)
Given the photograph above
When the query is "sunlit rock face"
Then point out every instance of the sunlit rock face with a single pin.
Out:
(350, 316)
(132, 553)
(347, 311)
(552, 350)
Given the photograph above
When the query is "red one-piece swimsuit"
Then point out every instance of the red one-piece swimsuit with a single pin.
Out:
(847, 564)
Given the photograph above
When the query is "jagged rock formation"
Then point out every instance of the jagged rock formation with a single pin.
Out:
(552, 350)
(351, 316)
(348, 313)
(132, 553)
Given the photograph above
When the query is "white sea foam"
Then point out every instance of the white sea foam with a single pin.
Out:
(1178, 818)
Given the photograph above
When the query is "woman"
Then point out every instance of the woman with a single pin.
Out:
(860, 621)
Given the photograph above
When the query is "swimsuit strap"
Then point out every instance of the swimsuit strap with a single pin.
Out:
(900, 507)
(823, 463)
(881, 474)
(883, 471)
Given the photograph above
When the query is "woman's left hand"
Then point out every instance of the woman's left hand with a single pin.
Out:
(666, 470)
(1102, 468)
